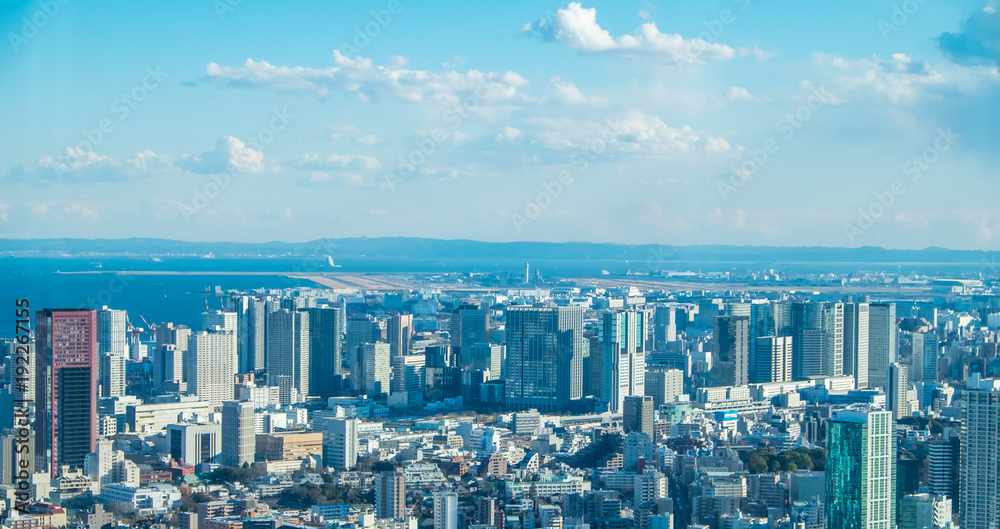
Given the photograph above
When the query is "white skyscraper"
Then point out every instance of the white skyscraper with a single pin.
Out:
(340, 448)
(112, 374)
(209, 369)
(882, 343)
(112, 332)
(856, 330)
(772, 359)
(238, 439)
(623, 358)
(445, 510)
(979, 472)
(227, 321)
(371, 371)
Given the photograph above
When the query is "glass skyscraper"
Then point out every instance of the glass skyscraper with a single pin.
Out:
(860, 469)
(544, 357)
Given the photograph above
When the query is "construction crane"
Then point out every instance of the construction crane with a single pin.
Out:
(150, 326)
(135, 333)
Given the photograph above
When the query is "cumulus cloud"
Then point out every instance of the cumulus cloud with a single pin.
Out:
(576, 27)
(368, 81)
(75, 165)
(977, 43)
(229, 153)
(4, 209)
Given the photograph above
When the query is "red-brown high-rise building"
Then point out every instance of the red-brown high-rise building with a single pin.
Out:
(65, 388)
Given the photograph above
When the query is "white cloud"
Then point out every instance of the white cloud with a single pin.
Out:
(567, 93)
(337, 161)
(72, 210)
(320, 179)
(75, 165)
(738, 93)
(229, 153)
(899, 80)
(4, 208)
(369, 81)
(633, 133)
(509, 134)
(577, 28)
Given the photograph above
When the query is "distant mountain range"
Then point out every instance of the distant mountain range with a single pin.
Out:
(413, 247)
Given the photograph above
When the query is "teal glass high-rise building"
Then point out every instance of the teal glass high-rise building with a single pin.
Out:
(860, 469)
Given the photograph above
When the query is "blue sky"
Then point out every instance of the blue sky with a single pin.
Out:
(726, 122)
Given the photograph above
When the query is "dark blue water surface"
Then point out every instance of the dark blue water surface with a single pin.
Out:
(176, 298)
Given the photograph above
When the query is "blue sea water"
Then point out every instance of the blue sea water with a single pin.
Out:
(176, 298)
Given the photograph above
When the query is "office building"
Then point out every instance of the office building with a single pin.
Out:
(111, 375)
(168, 356)
(663, 385)
(470, 324)
(340, 447)
(772, 359)
(194, 444)
(371, 371)
(860, 469)
(209, 366)
(856, 331)
(664, 326)
(360, 329)
(896, 389)
(817, 339)
(925, 363)
(488, 357)
(882, 343)
(238, 439)
(400, 333)
(638, 413)
(979, 471)
(65, 388)
(623, 358)
(288, 348)
(544, 357)
(112, 332)
(390, 495)
(730, 351)
(325, 354)
(924, 511)
(251, 314)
